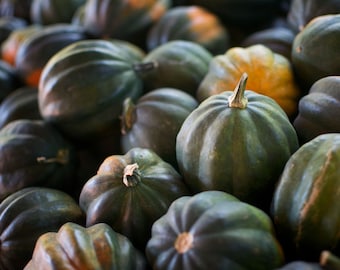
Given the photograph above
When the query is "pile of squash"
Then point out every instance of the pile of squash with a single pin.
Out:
(169, 134)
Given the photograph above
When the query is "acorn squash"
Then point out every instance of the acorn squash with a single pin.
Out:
(213, 230)
(238, 142)
(29, 213)
(130, 191)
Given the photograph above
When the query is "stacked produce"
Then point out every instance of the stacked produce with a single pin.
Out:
(169, 134)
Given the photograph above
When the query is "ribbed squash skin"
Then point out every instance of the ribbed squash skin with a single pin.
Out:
(35, 52)
(315, 50)
(154, 121)
(22, 103)
(27, 214)
(34, 153)
(130, 191)
(53, 11)
(122, 19)
(213, 230)
(177, 64)
(240, 151)
(192, 23)
(305, 205)
(83, 86)
(9, 79)
(318, 109)
(75, 247)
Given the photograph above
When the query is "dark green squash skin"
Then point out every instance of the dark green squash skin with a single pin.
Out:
(227, 234)
(131, 207)
(83, 86)
(154, 121)
(9, 24)
(34, 153)
(176, 64)
(240, 151)
(97, 247)
(9, 80)
(181, 23)
(53, 11)
(22, 103)
(315, 50)
(35, 52)
(27, 214)
(305, 206)
(16, 8)
(301, 12)
(318, 108)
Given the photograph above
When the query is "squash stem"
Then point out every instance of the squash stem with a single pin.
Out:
(62, 157)
(329, 261)
(128, 115)
(184, 242)
(237, 99)
(131, 175)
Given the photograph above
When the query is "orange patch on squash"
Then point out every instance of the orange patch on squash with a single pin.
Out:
(204, 24)
(32, 79)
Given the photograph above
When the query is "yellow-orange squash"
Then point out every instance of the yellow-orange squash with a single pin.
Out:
(269, 73)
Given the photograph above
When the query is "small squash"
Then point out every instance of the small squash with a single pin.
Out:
(154, 121)
(270, 74)
(179, 64)
(318, 108)
(29, 213)
(34, 153)
(130, 191)
(213, 230)
(35, 52)
(238, 142)
(305, 206)
(82, 87)
(75, 247)
(192, 23)
(315, 50)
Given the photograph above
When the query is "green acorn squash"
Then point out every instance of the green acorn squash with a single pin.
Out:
(179, 64)
(27, 214)
(318, 108)
(34, 153)
(130, 191)
(305, 206)
(75, 247)
(83, 86)
(315, 50)
(236, 141)
(154, 121)
(192, 23)
(213, 230)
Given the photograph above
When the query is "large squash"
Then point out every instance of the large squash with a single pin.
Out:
(213, 230)
(27, 214)
(270, 74)
(34, 153)
(236, 141)
(75, 247)
(306, 203)
(83, 86)
(129, 192)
